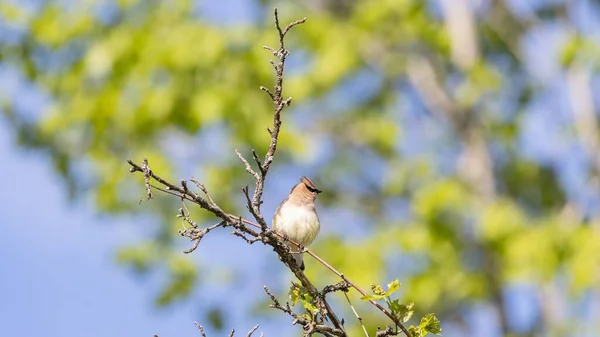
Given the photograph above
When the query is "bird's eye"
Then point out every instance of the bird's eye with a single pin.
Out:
(312, 189)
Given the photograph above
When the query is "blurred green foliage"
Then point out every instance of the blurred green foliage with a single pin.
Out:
(121, 84)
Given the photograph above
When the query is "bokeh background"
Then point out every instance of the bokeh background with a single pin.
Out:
(456, 140)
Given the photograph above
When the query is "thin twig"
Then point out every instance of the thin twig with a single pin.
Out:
(310, 326)
(145, 169)
(236, 232)
(257, 160)
(201, 329)
(252, 331)
(356, 314)
(196, 235)
(387, 332)
(265, 89)
(247, 165)
(204, 190)
(279, 104)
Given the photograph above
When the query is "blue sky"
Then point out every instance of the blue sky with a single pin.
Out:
(59, 276)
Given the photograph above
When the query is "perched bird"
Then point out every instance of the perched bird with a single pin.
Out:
(296, 217)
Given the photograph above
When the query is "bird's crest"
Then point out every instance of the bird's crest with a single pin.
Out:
(309, 184)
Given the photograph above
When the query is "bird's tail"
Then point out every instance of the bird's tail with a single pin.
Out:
(299, 257)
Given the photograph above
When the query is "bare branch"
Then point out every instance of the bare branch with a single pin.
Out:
(278, 305)
(258, 162)
(279, 104)
(204, 190)
(247, 165)
(387, 332)
(340, 286)
(201, 329)
(309, 326)
(196, 235)
(184, 185)
(356, 314)
(271, 49)
(286, 29)
(265, 89)
(145, 169)
(252, 331)
(248, 240)
(184, 213)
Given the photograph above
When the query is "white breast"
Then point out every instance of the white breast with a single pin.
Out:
(300, 224)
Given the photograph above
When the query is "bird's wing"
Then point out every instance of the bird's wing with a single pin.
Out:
(277, 213)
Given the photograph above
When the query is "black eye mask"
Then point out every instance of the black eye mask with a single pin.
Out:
(312, 189)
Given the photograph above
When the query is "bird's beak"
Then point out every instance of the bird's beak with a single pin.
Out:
(318, 191)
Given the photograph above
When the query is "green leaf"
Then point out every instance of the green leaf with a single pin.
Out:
(403, 311)
(569, 51)
(306, 317)
(393, 287)
(377, 289)
(430, 323)
(416, 331)
(294, 293)
(298, 293)
(372, 297)
(309, 306)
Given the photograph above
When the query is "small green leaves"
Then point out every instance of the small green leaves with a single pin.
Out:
(379, 293)
(299, 293)
(377, 290)
(430, 323)
(393, 287)
(308, 304)
(416, 331)
(371, 297)
(294, 293)
(403, 311)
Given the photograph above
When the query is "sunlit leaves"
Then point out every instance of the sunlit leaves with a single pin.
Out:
(581, 50)
(54, 26)
(180, 270)
(482, 79)
(139, 257)
(500, 220)
(183, 275)
(297, 294)
(403, 311)
(431, 324)
(428, 324)
(584, 249)
(393, 287)
(440, 196)
(379, 293)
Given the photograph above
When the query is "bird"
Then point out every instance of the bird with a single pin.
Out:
(296, 217)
